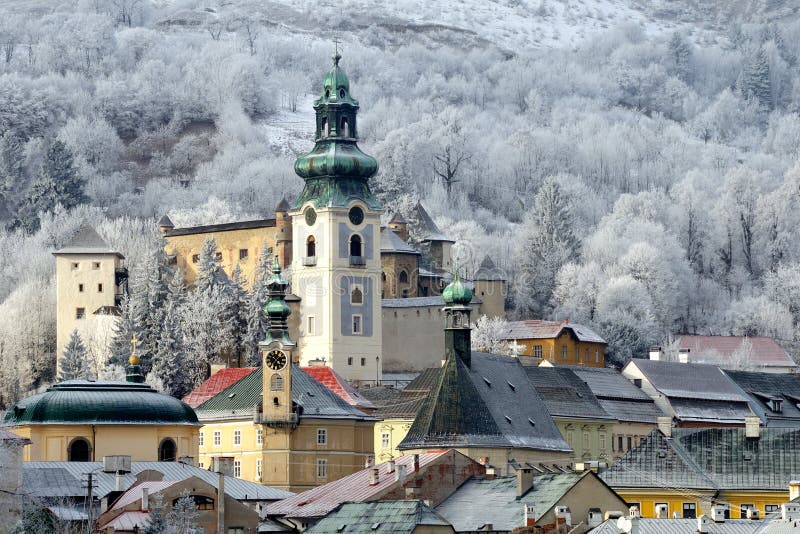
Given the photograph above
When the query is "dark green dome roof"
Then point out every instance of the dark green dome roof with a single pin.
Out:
(80, 402)
(338, 159)
(457, 292)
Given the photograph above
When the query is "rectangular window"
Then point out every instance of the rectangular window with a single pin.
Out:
(689, 510)
(218, 255)
(569, 438)
(237, 468)
(363, 362)
(99, 288)
(96, 265)
(80, 313)
(619, 443)
(75, 265)
(537, 351)
(357, 324)
(311, 330)
(662, 510)
(385, 440)
(350, 360)
(743, 510)
(636, 505)
(195, 258)
(771, 508)
(586, 440)
(596, 356)
(217, 438)
(235, 530)
(259, 436)
(630, 443)
(237, 437)
(201, 439)
(243, 253)
(563, 353)
(258, 467)
(80, 288)
(322, 436)
(322, 468)
(602, 442)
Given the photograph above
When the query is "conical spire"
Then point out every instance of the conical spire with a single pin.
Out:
(277, 310)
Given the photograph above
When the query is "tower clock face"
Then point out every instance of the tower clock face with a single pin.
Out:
(275, 360)
(356, 215)
(311, 216)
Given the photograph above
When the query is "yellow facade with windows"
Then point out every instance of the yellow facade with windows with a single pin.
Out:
(701, 501)
(563, 350)
(590, 439)
(388, 435)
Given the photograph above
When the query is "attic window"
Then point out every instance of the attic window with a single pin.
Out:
(776, 405)
(487, 381)
(531, 422)
(341, 528)
(508, 419)
(232, 395)
(747, 457)
(376, 526)
(512, 386)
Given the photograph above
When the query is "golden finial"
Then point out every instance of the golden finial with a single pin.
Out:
(134, 359)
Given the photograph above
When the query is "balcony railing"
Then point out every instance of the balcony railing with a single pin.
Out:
(310, 261)
(358, 261)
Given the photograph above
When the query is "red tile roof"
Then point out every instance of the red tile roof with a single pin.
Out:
(219, 381)
(766, 352)
(335, 383)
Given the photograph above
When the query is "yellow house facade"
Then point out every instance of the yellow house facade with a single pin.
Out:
(560, 343)
(688, 504)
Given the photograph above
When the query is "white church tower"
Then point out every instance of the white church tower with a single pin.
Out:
(336, 266)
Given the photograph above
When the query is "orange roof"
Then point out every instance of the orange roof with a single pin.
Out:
(335, 383)
(219, 381)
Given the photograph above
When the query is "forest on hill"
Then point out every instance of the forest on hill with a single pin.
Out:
(640, 177)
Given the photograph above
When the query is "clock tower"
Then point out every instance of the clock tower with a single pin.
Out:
(336, 266)
(277, 352)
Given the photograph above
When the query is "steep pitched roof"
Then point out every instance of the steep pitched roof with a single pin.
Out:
(392, 244)
(617, 395)
(710, 458)
(689, 380)
(565, 394)
(331, 380)
(87, 241)
(134, 493)
(165, 222)
(319, 501)
(385, 516)
(219, 381)
(424, 382)
(394, 403)
(537, 329)
(428, 228)
(398, 218)
(239, 400)
(767, 389)
(488, 404)
(488, 271)
(720, 350)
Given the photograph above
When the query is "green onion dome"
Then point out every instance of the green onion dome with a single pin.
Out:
(457, 292)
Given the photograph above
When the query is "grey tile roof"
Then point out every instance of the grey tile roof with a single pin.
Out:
(683, 526)
(631, 411)
(710, 458)
(64, 479)
(87, 241)
(428, 228)
(424, 382)
(240, 399)
(392, 244)
(480, 501)
(225, 227)
(412, 302)
(393, 402)
(488, 271)
(491, 403)
(689, 380)
(378, 517)
(565, 394)
(760, 386)
(710, 411)
(617, 395)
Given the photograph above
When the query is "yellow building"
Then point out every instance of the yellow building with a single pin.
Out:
(560, 343)
(281, 427)
(83, 421)
(90, 280)
(688, 470)
(396, 411)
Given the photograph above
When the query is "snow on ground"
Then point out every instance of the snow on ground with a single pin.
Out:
(291, 133)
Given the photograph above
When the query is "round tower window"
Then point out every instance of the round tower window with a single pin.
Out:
(356, 215)
(311, 216)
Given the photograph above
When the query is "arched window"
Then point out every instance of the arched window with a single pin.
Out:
(403, 277)
(345, 127)
(167, 450)
(79, 450)
(323, 127)
(311, 247)
(383, 277)
(276, 383)
(327, 93)
(356, 296)
(355, 245)
(341, 93)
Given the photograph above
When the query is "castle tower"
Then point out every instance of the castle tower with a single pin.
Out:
(90, 280)
(490, 287)
(336, 264)
(283, 233)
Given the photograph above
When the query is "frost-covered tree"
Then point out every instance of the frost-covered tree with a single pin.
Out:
(756, 80)
(207, 329)
(487, 335)
(75, 363)
(209, 266)
(680, 55)
(258, 297)
(183, 517)
(124, 330)
(169, 359)
(158, 523)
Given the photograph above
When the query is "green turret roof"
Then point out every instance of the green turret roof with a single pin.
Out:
(457, 292)
(277, 310)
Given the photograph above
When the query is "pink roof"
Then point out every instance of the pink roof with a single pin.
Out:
(335, 383)
(766, 352)
(135, 493)
(219, 381)
(126, 521)
(319, 501)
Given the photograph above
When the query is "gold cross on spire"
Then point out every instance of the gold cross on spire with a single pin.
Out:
(336, 55)
(134, 359)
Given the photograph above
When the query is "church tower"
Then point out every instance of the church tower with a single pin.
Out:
(336, 264)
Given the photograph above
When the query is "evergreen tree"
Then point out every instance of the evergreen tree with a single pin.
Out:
(124, 329)
(256, 318)
(756, 80)
(548, 242)
(57, 183)
(680, 54)
(169, 358)
(238, 310)
(158, 516)
(152, 302)
(209, 268)
(182, 519)
(75, 364)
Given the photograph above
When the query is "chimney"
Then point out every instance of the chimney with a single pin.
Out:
(490, 472)
(562, 512)
(635, 524)
(794, 490)
(683, 355)
(370, 461)
(145, 501)
(530, 515)
(665, 425)
(790, 511)
(524, 481)
(566, 322)
(221, 504)
(416, 463)
(655, 353)
(411, 493)
(703, 524)
(718, 513)
(633, 511)
(374, 476)
(400, 474)
(392, 465)
(752, 514)
(752, 427)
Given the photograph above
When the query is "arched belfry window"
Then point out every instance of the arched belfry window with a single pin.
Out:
(403, 277)
(345, 127)
(167, 450)
(311, 247)
(276, 382)
(79, 450)
(341, 93)
(323, 127)
(356, 296)
(355, 245)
